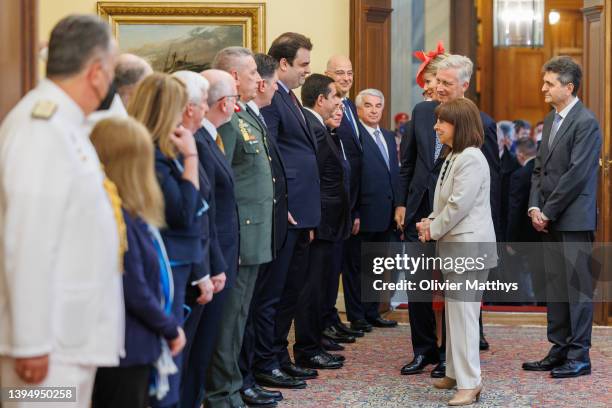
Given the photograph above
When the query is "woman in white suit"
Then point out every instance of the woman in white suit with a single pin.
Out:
(461, 224)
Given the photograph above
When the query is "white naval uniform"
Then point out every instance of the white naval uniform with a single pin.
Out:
(60, 285)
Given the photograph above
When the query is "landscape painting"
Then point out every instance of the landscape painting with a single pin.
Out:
(169, 48)
(184, 36)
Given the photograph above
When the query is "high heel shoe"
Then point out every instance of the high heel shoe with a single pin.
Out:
(445, 383)
(466, 397)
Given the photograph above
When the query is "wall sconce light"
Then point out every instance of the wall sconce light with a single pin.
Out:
(554, 17)
(518, 23)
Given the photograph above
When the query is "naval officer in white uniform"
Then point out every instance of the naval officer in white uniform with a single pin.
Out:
(61, 233)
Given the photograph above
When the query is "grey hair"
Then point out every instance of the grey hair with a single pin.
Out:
(195, 84)
(220, 86)
(229, 58)
(463, 65)
(369, 92)
(75, 41)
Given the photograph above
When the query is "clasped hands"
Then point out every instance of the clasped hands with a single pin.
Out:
(423, 229)
(538, 221)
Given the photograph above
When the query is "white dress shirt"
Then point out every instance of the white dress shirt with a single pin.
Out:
(210, 128)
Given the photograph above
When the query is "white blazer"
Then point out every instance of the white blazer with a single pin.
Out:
(462, 209)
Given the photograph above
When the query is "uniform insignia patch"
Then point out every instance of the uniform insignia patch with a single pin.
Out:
(44, 109)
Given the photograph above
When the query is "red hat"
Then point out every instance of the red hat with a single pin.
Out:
(426, 58)
(400, 116)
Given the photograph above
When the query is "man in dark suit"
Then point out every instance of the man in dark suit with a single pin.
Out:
(321, 99)
(245, 149)
(563, 206)
(220, 174)
(287, 125)
(346, 253)
(379, 180)
(252, 393)
(421, 163)
(508, 164)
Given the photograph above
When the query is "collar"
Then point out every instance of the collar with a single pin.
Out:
(67, 107)
(253, 106)
(210, 128)
(568, 108)
(282, 84)
(370, 129)
(319, 117)
(528, 160)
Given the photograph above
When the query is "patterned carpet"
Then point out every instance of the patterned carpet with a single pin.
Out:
(371, 376)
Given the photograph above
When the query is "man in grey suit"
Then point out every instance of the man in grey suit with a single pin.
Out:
(562, 206)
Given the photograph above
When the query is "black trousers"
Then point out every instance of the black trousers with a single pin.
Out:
(121, 387)
(287, 310)
(330, 313)
(201, 330)
(270, 293)
(569, 286)
(309, 316)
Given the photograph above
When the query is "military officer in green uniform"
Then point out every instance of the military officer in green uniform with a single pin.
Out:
(245, 148)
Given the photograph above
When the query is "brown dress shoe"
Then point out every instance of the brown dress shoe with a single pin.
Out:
(466, 396)
(445, 383)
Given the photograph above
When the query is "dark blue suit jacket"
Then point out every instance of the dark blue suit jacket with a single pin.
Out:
(184, 217)
(334, 172)
(352, 147)
(378, 184)
(223, 209)
(298, 148)
(145, 321)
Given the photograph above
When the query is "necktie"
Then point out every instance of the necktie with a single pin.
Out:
(381, 146)
(438, 148)
(555, 127)
(351, 119)
(297, 105)
(219, 143)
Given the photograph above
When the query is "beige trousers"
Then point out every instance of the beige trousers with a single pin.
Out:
(462, 331)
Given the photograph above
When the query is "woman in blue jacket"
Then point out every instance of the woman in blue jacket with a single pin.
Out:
(158, 103)
(126, 152)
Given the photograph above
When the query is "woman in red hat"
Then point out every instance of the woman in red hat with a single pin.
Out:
(426, 74)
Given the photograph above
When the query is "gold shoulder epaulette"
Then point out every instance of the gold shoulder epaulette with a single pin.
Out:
(44, 109)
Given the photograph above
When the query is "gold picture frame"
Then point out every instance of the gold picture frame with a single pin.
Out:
(174, 36)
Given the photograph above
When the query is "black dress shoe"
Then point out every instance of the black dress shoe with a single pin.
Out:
(336, 357)
(439, 371)
(546, 364)
(275, 395)
(330, 345)
(301, 373)
(571, 368)
(484, 344)
(279, 379)
(380, 322)
(334, 334)
(254, 399)
(343, 328)
(416, 366)
(361, 325)
(321, 361)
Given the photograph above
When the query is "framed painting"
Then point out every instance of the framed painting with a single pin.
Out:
(184, 36)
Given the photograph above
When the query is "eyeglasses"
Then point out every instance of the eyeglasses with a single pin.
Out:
(236, 97)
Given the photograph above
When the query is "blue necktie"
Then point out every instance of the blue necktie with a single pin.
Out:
(381, 146)
(555, 128)
(349, 115)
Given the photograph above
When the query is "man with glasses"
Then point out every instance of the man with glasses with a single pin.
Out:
(245, 149)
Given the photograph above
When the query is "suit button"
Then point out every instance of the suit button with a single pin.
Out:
(274, 201)
(269, 158)
(273, 180)
(257, 151)
(248, 222)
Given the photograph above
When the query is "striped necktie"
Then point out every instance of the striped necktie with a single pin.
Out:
(380, 142)
(219, 142)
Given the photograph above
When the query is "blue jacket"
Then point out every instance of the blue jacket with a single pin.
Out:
(298, 147)
(378, 184)
(184, 210)
(352, 147)
(145, 321)
(223, 208)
